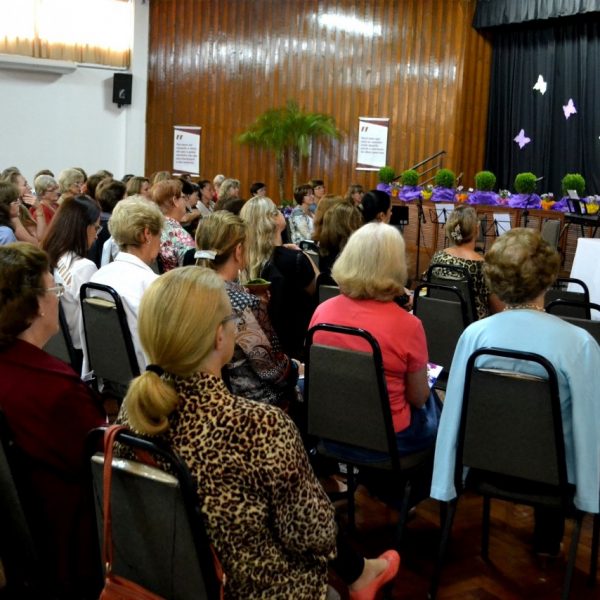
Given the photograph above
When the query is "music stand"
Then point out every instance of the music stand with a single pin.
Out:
(440, 213)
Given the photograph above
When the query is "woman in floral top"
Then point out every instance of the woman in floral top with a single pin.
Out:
(259, 369)
(301, 219)
(175, 241)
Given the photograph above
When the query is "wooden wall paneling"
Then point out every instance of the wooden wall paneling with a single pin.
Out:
(220, 63)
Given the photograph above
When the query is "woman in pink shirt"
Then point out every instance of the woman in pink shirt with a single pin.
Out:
(371, 273)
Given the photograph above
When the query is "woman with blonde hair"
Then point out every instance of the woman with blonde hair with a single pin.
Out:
(175, 241)
(355, 194)
(275, 538)
(291, 273)
(461, 230)
(30, 224)
(259, 369)
(371, 273)
(135, 226)
(70, 181)
(138, 185)
(229, 188)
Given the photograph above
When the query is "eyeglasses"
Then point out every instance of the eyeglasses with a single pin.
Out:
(58, 290)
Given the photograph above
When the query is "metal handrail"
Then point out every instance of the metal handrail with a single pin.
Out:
(437, 165)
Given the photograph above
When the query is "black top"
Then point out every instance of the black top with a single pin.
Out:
(290, 306)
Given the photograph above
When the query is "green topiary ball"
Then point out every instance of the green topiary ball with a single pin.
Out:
(525, 183)
(445, 178)
(485, 181)
(410, 177)
(387, 174)
(573, 181)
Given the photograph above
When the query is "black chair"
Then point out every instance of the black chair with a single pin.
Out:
(346, 402)
(158, 534)
(311, 249)
(456, 276)
(563, 308)
(61, 346)
(110, 351)
(560, 291)
(511, 440)
(443, 311)
(19, 557)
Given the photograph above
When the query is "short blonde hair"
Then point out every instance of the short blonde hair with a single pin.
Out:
(520, 265)
(372, 264)
(226, 186)
(178, 340)
(220, 232)
(259, 215)
(129, 219)
(461, 226)
(67, 178)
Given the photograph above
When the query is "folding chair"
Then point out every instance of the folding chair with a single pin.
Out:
(159, 539)
(61, 346)
(560, 291)
(559, 307)
(110, 350)
(511, 440)
(443, 311)
(311, 249)
(456, 276)
(346, 403)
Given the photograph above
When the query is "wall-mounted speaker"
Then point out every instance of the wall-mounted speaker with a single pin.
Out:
(122, 88)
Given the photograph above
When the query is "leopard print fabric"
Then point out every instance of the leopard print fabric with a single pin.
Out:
(266, 514)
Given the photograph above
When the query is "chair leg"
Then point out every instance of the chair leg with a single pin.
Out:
(403, 514)
(594, 557)
(572, 555)
(446, 528)
(351, 482)
(485, 528)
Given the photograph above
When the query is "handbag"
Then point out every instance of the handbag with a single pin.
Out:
(115, 587)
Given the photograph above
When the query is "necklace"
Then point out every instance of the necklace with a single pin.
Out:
(530, 306)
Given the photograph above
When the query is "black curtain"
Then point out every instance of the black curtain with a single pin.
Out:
(566, 52)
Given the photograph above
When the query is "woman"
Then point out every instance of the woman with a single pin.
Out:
(175, 241)
(229, 188)
(70, 181)
(339, 223)
(272, 528)
(135, 225)
(461, 231)
(46, 190)
(9, 211)
(291, 273)
(205, 204)
(192, 213)
(326, 203)
(371, 272)
(301, 219)
(376, 207)
(138, 185)
(68, 239)
(519, 268)
(28, 226)
(49, 412)
(355, 194)
(259, 370)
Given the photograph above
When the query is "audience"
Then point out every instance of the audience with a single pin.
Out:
(47, 192)
(376, 207)
(301, 219)
(217, 181)
(27, 228)
(139, 185)
(519, 268)
(291, 273)
(258, 370)
(205, 204)
(371, 272)
(67, 241)
(192, 213)
(92, 183)
(49, 412)
(175, 241)
(326, 203)
(229, 188)
(135, 225)
(318, 186)
(355, 194)
(9, 211)
(258, 188)
(70, 181)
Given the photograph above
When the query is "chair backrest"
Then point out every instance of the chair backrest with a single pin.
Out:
(159, 540)
(551, 231)
(328, 291)
(60, 345)
(558, 307)
(443, 312)
(110, 351)
(456, 276)
(17, 549)
(345, 393)
(511, 421)
(562, 289)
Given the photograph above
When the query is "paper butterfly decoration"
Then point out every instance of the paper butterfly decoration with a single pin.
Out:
(522, 139)
(541, 85)
(569, 109)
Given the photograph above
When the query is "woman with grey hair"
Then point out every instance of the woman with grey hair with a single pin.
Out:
(47, 192)
(70, 181)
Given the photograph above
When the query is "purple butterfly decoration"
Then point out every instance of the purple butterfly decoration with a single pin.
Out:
(569, 109)
(522, 139)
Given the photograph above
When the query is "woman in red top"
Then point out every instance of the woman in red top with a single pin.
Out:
(48, 411)
(371, 272)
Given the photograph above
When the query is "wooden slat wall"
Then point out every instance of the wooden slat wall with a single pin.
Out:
(220, 63)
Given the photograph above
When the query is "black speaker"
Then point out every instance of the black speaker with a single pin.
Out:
(122, 88)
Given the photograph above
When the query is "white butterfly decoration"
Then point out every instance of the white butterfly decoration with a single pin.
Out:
(522, 139)
(540, 85)
(569, 108)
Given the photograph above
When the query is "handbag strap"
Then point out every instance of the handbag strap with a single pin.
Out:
(107, 547)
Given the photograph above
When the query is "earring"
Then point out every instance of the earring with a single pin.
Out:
(42, 314)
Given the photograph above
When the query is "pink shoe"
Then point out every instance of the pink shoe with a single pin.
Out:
(370, 591)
